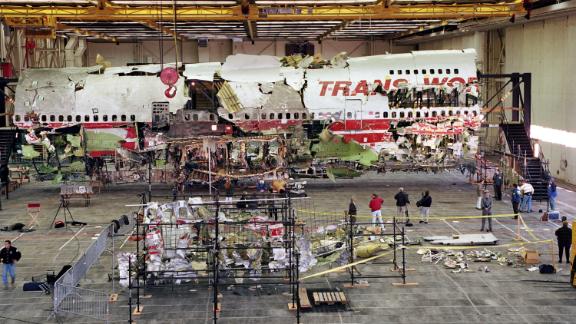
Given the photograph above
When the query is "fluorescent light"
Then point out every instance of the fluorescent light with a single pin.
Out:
(554, 136)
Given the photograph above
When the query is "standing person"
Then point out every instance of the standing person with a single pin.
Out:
(552, 194)
(352, 211)
(515, 200)
(9, 256)
(229, 189)
(497, 182)
(375, 207)
(486, 211)
(425, 203)
(175, 192)
(401, 205)
(526, 190)
(564, 235)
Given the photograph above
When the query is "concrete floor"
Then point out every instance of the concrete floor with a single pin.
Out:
(504, 295)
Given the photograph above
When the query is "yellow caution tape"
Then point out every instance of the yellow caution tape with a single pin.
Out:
(392, 217)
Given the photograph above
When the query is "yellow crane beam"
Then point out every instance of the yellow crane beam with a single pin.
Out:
(84, 32)
(260, 13)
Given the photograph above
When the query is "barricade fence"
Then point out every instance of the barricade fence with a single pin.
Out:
(68, 298)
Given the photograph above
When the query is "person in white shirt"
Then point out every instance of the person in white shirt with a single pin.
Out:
(527, 191)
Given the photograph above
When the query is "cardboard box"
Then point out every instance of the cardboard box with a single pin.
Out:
(531, 257)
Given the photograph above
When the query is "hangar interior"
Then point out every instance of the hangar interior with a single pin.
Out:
(187, 161)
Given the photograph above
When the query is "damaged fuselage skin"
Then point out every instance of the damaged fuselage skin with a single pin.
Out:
(363, 99)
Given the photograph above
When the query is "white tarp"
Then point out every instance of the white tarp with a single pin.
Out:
(202, 71)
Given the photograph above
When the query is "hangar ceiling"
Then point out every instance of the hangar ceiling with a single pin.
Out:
(124, 20)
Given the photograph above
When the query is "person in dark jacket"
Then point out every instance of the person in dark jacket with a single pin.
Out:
(564, 235)
(9, 256)
(516, 198)
(486, 205)
(497, 182)
(402, 202)
(425, 203)
(352, 211)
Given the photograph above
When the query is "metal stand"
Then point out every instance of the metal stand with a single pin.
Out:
(64, 208)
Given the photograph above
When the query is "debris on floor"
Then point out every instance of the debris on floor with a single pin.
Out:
(459, 261)
(463, 239)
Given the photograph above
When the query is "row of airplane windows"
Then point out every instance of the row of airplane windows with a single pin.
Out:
(79, 118)
(274, 116)
(349, 114)
(419, 114)
(425, 71)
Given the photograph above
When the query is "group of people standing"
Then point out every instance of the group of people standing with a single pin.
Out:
(402, 213)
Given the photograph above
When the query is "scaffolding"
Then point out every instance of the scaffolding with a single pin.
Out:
(214, 243)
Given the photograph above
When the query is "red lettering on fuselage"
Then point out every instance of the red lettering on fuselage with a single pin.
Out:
(325, 85)
(341, 85)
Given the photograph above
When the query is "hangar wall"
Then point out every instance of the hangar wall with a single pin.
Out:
(546, 49)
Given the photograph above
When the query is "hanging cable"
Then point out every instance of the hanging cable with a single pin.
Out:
(175, 33)
(161, 40)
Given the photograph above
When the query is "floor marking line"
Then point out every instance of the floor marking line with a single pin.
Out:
(70, 240)
(452, 227)
(461, 290)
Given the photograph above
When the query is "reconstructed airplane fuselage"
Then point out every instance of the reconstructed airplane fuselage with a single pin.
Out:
(360, 99)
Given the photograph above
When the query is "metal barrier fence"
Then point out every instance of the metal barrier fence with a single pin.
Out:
(84, 302)
(71, 299)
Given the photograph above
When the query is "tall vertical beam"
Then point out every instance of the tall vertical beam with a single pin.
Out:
(3, 53)
(527, 80)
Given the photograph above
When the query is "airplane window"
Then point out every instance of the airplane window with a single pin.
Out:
(394, 115)
(391, 71)
(475, 113)
(304, 116)
(443, 113)
(105, 118)
(230, 116)
(187, 117)
(456, 71)
(211, 117)
(271, 115)
(450, 113)
(86, 118)
(385, 115)
(263, 116)
(95, 118)
(296, 115)
(246, 116)
(399, 71)
(18, 118)
(26, 118)
(465, 112)
(409, 114)
(439, 71)
(287, 115)
(377, 114)
(447, 71)
(457, 112)
(434, 114)
(280, 116)
(312, 116)
(407, 71)
(52, 118)
(114, 118)
(69, 118)
(195, 117)
(431, 71)
(349, 114)
(123, 117)
(133, 117)
(423, 71)
(415, 71)
(417, 114)
(425, 114)
(401, 114)
(78, 118)
(43, 118)
(60, 118)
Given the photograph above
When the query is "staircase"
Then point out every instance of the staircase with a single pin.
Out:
(531, 168)
(7, 138)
